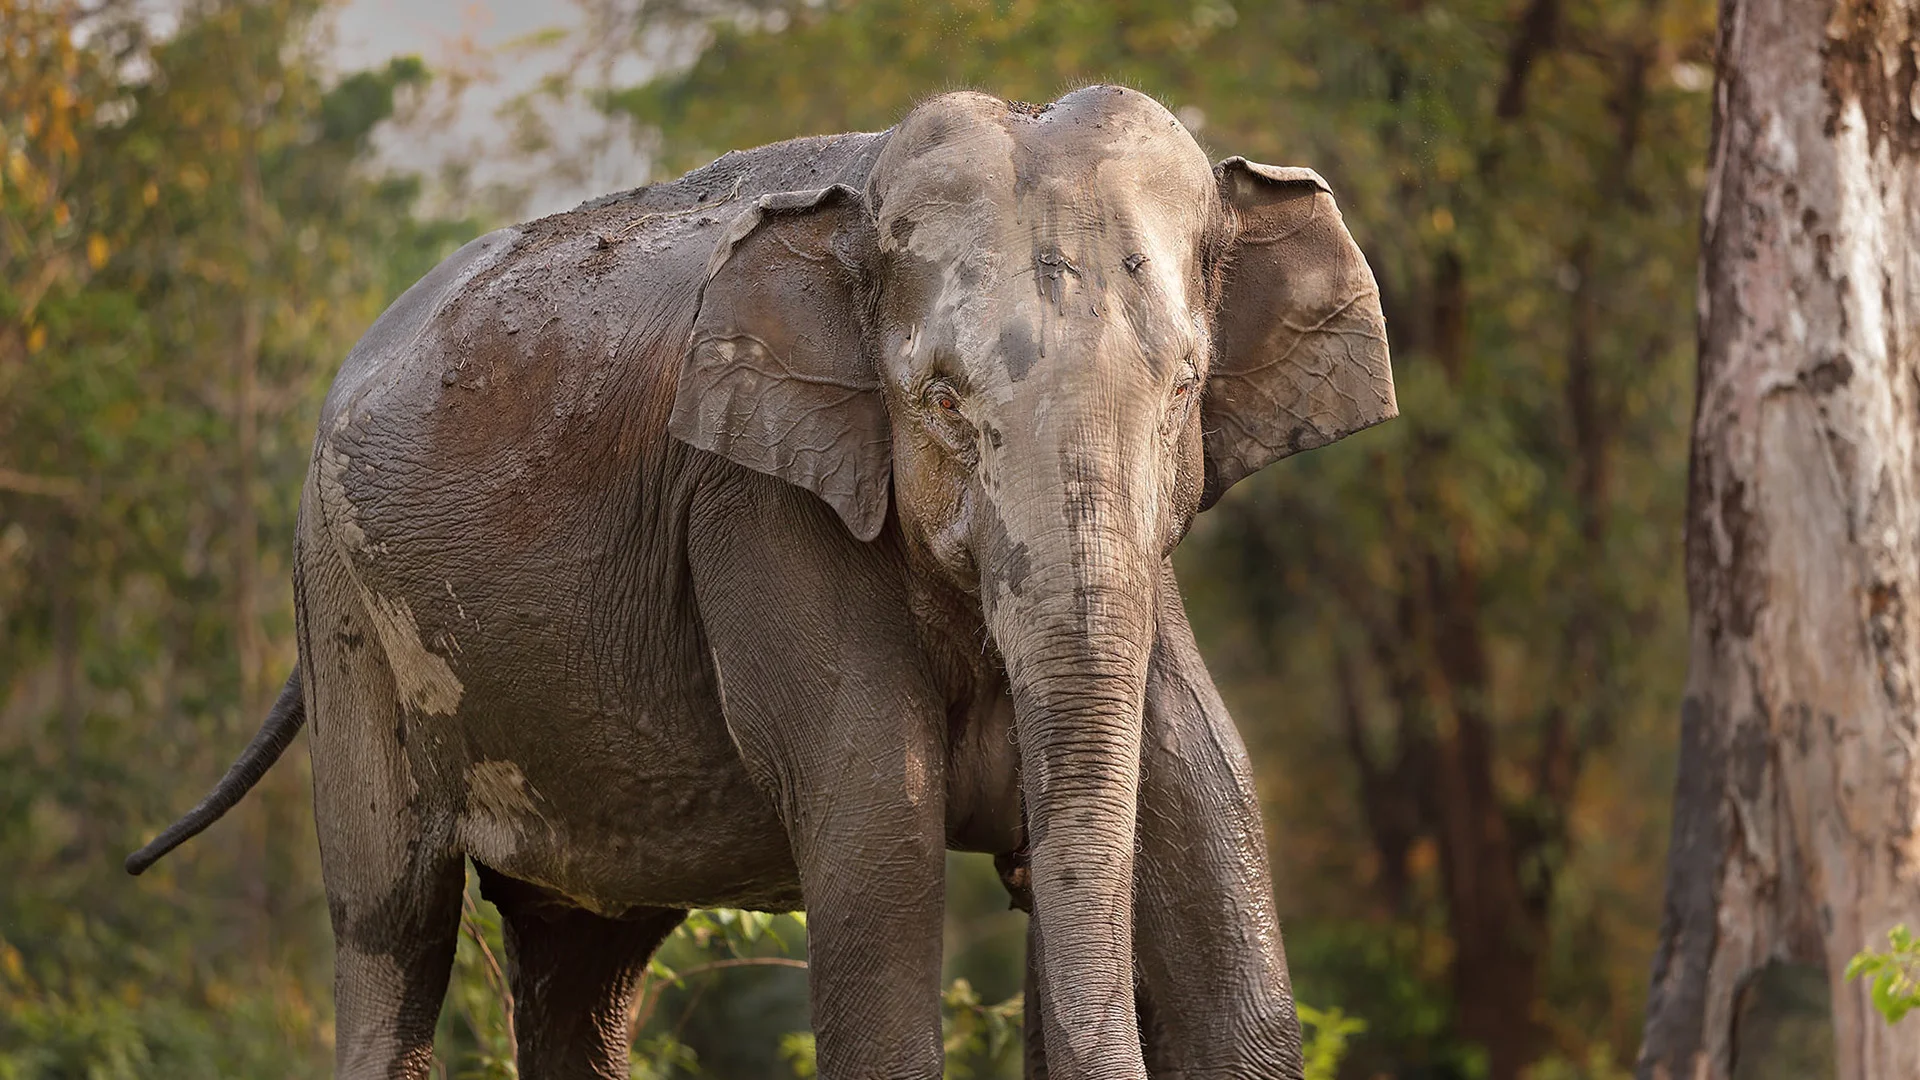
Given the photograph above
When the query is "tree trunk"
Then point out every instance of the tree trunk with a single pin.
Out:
(1497, 937)
(1794, 820)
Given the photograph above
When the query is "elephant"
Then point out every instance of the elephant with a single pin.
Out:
(755, 538)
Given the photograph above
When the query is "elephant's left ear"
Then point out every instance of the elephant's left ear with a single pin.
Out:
(777, 375)
(1300, 354)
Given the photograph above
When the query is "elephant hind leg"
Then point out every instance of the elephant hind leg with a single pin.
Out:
(393, 876)
(391, 965)
(393, 894)
(573, 975)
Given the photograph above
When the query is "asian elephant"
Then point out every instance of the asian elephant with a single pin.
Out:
(754, 538)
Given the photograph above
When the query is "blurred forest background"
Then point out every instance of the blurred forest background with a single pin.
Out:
(1455, 643)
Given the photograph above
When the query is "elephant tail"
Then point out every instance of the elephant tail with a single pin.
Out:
(283, 722)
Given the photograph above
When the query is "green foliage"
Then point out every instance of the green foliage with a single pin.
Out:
(1325, 1037)
(86, 1006)
(1894, 975)
(979, 1038)
(662, 1056)
(798, 1051)
(479, 1046)
(357, 105)
(1599, 1064)
(181, 218)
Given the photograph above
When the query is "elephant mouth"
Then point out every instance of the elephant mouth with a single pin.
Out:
(1016, 875)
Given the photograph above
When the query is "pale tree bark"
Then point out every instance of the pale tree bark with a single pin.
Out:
(1794, 836)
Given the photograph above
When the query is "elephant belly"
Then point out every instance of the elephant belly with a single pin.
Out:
(615, 792)
(613, 835)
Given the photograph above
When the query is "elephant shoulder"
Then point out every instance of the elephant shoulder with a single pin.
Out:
(394, 335)
(598, 301)
(616, 264)
(738, 177)
(552, 342)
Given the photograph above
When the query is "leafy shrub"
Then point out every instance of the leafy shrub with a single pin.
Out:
(1895, 974)
(1326, 1033)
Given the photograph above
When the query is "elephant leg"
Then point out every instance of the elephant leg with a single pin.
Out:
(573, 975)
(1216, 1000)
(392, 874)
(827, 697)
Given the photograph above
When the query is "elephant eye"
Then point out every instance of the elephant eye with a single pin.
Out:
(943, 397)
(1189, 379)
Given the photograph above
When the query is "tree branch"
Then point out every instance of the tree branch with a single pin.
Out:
(1538, 28)
(64, 488)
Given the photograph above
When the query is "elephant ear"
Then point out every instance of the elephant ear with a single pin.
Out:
(1300, 355)
(777, 375)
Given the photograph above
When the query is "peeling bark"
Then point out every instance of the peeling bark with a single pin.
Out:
(1794, 834)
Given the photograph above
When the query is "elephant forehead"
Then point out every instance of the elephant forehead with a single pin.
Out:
(943, 178)
(1103, 134)
(967, 176)
(1059, 249)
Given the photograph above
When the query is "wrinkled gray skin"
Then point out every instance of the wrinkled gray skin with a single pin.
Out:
(599, 584)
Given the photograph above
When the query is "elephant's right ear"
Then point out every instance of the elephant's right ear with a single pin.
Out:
(778, 376)
(1300, 355)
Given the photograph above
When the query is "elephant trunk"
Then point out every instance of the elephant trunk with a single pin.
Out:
(1076, 640)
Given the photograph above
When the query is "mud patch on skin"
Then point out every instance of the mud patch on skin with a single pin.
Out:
(499, 788)
(425, 680)
(918, 774)
(336, 509)
(500, 807)
(1051, 268)
(1019, 350)
(1011, 564)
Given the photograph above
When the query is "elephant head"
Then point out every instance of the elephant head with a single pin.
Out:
(1048, 337)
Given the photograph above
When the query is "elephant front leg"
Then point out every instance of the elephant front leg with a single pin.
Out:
(1215, 998)
(826, 697)
(872, 878)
